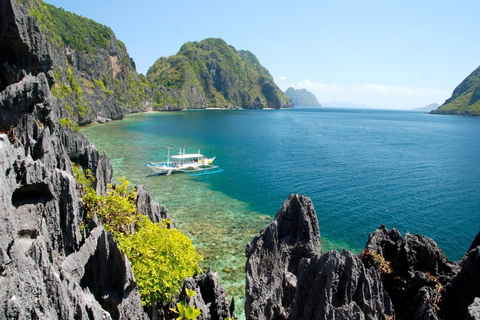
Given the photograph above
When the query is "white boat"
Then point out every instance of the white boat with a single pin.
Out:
(194, 164)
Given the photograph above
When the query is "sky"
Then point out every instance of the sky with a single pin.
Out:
(377, 53)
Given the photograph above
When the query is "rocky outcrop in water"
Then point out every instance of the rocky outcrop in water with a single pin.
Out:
(419, 271)
(213, 74)
(288, 277)
(302, 97)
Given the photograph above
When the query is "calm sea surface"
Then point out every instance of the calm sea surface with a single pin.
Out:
(415, 172)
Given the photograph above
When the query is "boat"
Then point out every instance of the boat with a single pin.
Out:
(194, 164)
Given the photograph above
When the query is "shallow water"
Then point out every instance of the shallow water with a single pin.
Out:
(361, 168)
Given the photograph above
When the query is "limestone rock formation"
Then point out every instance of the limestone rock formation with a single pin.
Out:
(424, 284)
(274, 257)
(419, 267)
(149, 207)
(338, 286)
(458, 298)
(212, 74)
(48, 270)
(302, 97)
(210, 298)
(95, 77)
(288, 277)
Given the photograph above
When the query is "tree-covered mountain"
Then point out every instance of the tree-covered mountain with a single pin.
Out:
(302, 97)
(93, 73)
(213, 74)
(465, 99)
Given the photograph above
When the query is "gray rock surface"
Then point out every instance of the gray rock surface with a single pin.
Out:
(288, 277)
(420, 270)
(274, 256)
(149, 207)
(47, 269)
(210, 296)
(338, 286)
(463, 288)
(473, 312)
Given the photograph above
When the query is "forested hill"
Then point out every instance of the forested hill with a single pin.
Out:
(213, 74)
(465, 99)
(302, 97)
(94, 75)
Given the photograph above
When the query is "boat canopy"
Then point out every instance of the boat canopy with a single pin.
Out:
(188, 156)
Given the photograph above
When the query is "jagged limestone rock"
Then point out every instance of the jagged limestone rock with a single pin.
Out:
(338, 286)
(288, 277)
(210, 296)
(273, 258)
(40, 208)
(149, 207)
(419, 270)
(463, 288)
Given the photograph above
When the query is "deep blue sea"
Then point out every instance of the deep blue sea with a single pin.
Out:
(412, 171)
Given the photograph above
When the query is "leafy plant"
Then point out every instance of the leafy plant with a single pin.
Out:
(185, 310)
(161, 259)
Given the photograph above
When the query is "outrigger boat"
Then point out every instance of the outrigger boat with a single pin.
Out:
(194, 164)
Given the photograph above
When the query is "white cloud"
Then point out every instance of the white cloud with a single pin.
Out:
(378, 88)
(315, 86)
(282, 78)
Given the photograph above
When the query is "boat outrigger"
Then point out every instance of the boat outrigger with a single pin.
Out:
(194, 164)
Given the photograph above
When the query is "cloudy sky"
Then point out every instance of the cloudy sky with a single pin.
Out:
(383, 54)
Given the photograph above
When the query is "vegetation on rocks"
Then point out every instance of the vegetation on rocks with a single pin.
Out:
(161, 257)
(92, 69)
(211, 73)
(465, 99)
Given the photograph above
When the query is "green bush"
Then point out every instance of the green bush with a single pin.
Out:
(161, 257)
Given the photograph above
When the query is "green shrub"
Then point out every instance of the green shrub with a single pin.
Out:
(161, 257)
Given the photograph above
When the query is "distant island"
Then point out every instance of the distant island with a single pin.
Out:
(302, 97)
(428, 108)
(465, 99)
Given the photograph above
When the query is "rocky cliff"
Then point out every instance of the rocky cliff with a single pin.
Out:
(302, 97)
(465, 99)
(212, 74)
(288, 276)
(95, 77)
(49, 267)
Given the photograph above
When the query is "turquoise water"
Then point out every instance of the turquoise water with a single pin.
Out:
(408, 170)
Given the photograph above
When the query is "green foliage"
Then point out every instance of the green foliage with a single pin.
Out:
(82, 111)
(116, 210)
(216, 71)
(465, 99)
(101, 85)
(186, 311)
(161, 259)
(80, 33)
(65, 122)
